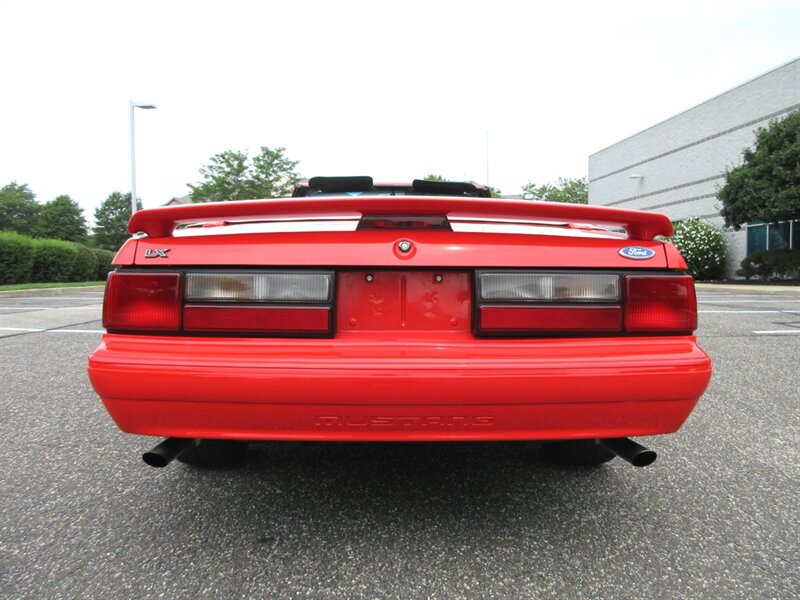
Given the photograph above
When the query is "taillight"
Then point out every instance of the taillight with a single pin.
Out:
(268, 303)
(529, 303)
(257, 319)
(276, 303)
(142, 302)
(548, 287)
(550, 319)
(660, 304)
(265, 286)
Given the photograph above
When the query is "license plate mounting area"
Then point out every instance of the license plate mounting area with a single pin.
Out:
(403, 301)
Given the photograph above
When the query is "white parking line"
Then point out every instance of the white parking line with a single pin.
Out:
(85, 306)
(41, 298)
(53, 330)
(744, 312)
(778, 332)
(789, 301)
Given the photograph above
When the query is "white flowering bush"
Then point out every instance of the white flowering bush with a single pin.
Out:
(702, 246)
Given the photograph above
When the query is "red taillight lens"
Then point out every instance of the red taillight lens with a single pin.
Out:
(545, 319)
(142, 302)
(257, 319)
(660, 304)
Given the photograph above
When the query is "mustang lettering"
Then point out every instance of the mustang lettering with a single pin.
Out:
(405, 421)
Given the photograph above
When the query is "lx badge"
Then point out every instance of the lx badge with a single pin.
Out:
(156, 253)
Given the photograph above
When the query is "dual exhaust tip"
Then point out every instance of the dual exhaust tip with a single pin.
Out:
(636, 454)
(628, 450)
(167, 451)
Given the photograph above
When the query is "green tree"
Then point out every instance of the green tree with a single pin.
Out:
(62, 219)
(232, 175)
(563, 190)
(111, 221)
(19, 210)
(766, 187)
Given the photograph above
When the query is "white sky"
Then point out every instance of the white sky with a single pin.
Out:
(395, 90)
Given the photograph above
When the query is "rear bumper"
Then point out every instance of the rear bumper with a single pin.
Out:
(357, 388)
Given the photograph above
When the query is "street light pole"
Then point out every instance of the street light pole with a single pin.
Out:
(135, 105)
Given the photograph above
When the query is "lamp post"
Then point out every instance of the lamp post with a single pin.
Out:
(135, 105)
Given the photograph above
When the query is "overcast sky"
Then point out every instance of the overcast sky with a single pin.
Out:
(395, 90)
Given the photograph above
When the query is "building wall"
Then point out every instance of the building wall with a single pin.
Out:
(678, 166)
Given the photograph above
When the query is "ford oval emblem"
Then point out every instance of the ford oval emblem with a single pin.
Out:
(637, 252)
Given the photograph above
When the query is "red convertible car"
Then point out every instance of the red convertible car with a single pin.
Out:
(357, 311)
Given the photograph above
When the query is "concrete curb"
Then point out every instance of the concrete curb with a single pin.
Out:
(786, 290)
(65, 291)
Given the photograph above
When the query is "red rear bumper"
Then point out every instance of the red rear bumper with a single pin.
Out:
(415, 389)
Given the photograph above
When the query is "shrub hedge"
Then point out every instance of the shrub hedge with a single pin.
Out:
(16, 257)
(85, 267)
(104, 258)
(24, 259)
(53, 260)
(771, 264)
(702, 246)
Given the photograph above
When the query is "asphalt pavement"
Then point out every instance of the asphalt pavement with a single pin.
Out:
(81, 516)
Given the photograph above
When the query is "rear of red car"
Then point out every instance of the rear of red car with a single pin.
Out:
(374, 318)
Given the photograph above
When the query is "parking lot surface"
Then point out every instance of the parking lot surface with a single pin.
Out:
(715, 517)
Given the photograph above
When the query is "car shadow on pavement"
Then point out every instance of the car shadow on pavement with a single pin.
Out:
(363, 493)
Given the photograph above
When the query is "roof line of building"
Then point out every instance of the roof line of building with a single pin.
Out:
(781, 66)
(708, 138)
